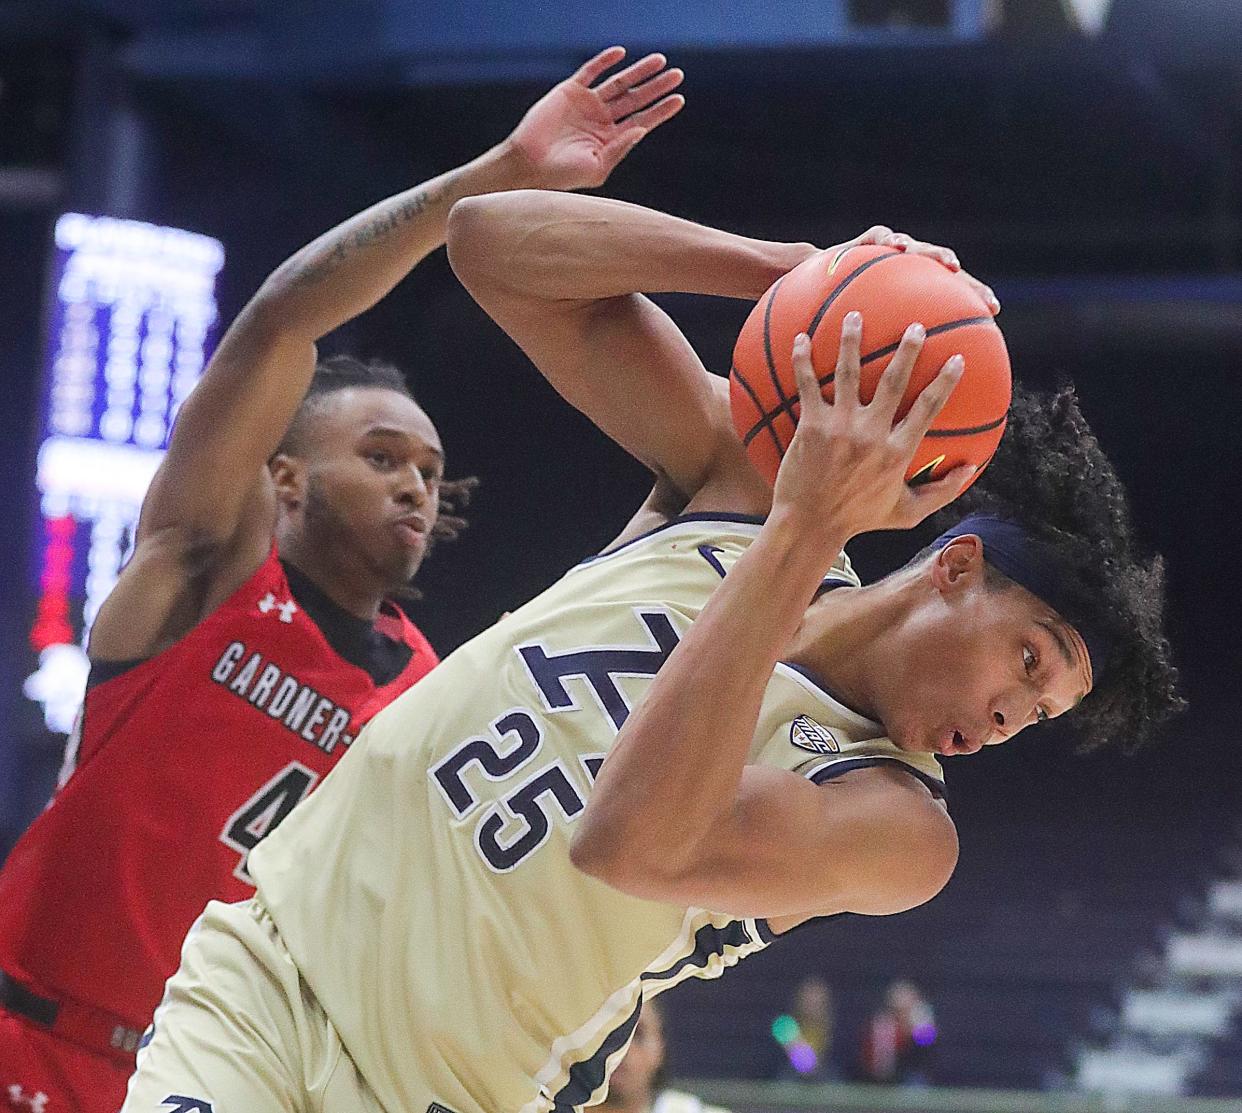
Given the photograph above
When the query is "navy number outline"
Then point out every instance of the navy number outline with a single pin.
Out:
(264, 811)
(515, 738)
(493, 763)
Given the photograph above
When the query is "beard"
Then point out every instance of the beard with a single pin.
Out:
(340, 545)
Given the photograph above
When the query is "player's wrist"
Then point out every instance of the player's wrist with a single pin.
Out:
(497, 170)
(771, 260)
(795, 539)
(790, 255)
(511, 167)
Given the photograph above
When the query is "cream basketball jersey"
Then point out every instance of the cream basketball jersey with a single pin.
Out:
(425, 890)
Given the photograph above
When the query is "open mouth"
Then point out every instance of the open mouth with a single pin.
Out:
(954, 743)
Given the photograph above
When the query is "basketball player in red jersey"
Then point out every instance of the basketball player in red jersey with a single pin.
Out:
(252, 635)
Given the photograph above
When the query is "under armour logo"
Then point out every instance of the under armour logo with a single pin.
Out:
(36, 1103)
(182, 1104)
(287, 609)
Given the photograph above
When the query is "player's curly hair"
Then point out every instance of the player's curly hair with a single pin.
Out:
(1051, 476)
(340, 372)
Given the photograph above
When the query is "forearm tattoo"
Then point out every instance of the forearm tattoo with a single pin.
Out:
(372, 231)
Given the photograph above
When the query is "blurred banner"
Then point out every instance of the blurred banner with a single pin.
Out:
(131, 313)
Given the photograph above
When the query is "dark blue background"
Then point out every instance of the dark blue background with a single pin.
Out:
(1096, 184)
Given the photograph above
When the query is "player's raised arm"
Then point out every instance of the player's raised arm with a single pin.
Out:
(208, 516)
(565, 277)
(675, 814)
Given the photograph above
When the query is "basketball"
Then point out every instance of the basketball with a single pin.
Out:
(891, 290)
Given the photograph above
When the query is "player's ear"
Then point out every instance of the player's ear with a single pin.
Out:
(289, 478)
(959, 565)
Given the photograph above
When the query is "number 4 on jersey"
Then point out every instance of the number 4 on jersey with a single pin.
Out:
(259, 816)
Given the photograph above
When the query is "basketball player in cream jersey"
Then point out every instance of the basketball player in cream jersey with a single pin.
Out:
(689, 744)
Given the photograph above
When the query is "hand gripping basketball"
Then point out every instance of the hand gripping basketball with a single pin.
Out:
(845, 468)
(893, 281)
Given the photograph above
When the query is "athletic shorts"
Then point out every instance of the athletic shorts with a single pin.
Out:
(43, 1073)
(239, 1031)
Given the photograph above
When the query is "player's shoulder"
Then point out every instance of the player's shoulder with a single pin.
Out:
(807, 729)
(168, 591)
(673, 532)
(716, 538)
(394, 623)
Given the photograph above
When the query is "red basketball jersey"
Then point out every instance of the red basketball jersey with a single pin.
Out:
(184, 762)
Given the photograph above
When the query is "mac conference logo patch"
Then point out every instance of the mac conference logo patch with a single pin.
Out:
(807, 734)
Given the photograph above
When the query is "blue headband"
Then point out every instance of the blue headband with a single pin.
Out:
(1013, 552)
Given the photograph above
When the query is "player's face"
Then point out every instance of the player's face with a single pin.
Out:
(976, 664)
(374, 466)
(632, 1078)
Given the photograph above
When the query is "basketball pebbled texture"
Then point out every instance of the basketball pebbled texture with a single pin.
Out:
(891, 290)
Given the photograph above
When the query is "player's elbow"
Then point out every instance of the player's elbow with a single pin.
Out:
(628, 873)
(593, 853)
(596, 850)
(936, 866)
(277, 314)
(908, 879)
(619, 860)
(470, 221)
(479, 232)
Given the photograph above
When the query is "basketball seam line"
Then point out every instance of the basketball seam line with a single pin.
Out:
(879, 353)
(787, 403)
(750, 393)
(819, 313)
(969, 430)
(776, 380)
(767, 343)
(935, 330)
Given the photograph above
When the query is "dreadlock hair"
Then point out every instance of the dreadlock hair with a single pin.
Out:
(1052, 478)
(341, 372)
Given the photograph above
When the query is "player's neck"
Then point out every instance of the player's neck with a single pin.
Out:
(845, 639)
(348, 587)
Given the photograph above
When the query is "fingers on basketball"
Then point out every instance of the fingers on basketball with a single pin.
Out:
(890, 289)
(848, 369)
(876, 234)
(810, 397)
(891, 388)
(931, 400)
(926, 499)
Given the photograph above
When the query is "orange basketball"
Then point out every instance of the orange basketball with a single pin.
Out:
(891, 290)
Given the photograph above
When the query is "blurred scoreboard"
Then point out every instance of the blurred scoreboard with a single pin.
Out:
(130, 322)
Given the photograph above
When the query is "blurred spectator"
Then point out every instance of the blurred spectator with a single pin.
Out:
(804, 1034)
(899, 1039)
(638, 1083)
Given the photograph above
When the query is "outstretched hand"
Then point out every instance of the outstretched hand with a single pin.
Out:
(885, 237)
(576, 134)
(845, 468)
